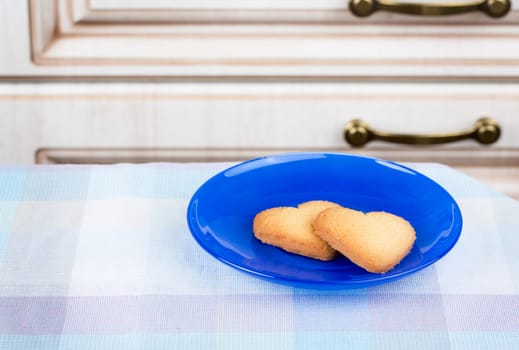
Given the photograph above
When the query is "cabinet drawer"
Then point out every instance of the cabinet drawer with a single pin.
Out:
(247, 115)
(310, 40)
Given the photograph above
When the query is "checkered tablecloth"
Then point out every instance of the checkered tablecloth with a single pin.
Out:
(100, 257)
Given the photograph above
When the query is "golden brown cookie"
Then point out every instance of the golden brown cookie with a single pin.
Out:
(291, 229)
(376, 241)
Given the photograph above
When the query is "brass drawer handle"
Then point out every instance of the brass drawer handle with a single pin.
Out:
(493, 8)
(484, 130)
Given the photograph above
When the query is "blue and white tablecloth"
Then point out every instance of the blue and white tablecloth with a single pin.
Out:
(100, 257)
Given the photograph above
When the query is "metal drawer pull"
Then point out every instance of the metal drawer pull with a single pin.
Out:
(484, 130)
(493, 8)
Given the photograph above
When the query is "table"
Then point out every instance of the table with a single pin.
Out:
(100, 257)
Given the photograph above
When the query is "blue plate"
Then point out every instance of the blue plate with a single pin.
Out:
(221, 212)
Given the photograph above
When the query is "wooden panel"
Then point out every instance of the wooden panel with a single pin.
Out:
(214, 4)
(85, 45)
(286, 11)
(72, 48)
(15, 38)
(240, 115)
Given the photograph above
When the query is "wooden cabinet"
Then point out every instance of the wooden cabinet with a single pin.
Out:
(109, 81)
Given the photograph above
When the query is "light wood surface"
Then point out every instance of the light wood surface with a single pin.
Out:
(62, 39)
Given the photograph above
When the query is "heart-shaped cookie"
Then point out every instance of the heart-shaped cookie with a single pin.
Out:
(291, 229)
(376, 241)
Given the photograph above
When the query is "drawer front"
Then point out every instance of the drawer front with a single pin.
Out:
(240, 116)
(322, 42)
